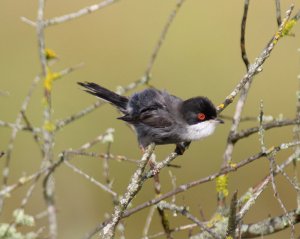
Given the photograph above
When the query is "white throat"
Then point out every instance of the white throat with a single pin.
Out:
(200, 130)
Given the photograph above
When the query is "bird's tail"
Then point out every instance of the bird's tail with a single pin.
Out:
(105, 94)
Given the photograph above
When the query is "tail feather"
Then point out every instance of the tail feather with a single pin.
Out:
(105, 94)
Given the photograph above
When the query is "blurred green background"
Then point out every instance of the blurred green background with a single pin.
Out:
(201, 56)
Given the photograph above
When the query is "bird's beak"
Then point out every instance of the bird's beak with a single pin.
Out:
(220, 121)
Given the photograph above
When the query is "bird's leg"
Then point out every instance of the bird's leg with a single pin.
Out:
(181, 147)
(142, 148)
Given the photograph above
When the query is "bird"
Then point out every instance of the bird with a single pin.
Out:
(161, 118)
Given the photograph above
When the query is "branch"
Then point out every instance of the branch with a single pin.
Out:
(71, 16)
(275, 124)
(243, 33)
(270, 225)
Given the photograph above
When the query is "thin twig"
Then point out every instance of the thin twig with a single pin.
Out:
(91, 179)
(274, 124)
(148, 222)
(176, 229)
(243, 33)
(232, 223)
(79, 13)
(261, 131)
(278, 12)
(71, 16)
(34, 134)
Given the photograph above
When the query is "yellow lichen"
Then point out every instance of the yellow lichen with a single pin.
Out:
(221, 106)
(288, 26)
(233, 165)
(222, 185)
(216, 218)
(49, 126)
(50, 54)
(50, 77)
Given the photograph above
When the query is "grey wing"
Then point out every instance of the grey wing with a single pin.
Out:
(156, 117)
(150, 107)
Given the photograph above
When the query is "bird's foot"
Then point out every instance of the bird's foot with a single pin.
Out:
(181, 147)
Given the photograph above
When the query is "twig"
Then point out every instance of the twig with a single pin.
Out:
(19, 127)
(79, 13)
(261, 131)
(96, 140)
(91, 179)
(132, 189)
(148, 222)
(173, 180)
(243, 118)
(278, 12)
(275, 124)
(71, 16)
(35, 135)
(28, 21)
(296, 131)
(232, 223)
(106, 167)
(243, 33)
(101, 155)
(176, 229)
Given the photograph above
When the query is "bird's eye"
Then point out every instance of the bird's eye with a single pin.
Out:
(201, 116)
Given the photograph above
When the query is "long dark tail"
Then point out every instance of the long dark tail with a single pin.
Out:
(105, 94)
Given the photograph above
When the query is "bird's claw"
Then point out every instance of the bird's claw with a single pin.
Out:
(181, 147)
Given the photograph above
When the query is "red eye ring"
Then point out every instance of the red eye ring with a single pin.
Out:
(201, 116)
